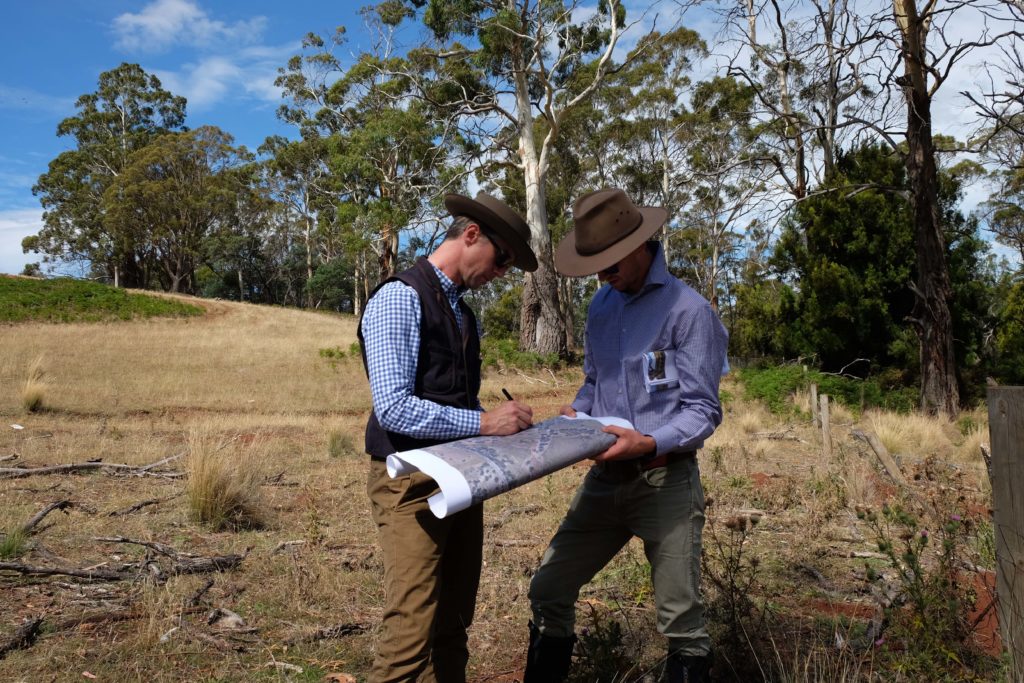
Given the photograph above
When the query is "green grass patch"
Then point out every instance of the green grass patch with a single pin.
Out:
(775, 385)
(63, 300)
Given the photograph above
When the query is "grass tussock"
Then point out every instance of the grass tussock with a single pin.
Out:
(911, 433)
(33, 389)
(13, 544)
(224, 484)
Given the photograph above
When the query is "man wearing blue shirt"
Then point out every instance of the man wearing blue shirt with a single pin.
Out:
(421, 348)
(654, 353)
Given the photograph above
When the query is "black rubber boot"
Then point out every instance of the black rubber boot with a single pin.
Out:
(548, 659)
(688, 669)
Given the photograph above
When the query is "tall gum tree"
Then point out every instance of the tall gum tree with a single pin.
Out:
(515, 68)
(128, 110)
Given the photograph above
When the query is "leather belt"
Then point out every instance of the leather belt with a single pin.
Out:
(665, 459)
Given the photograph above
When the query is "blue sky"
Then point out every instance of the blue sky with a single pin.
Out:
(221, 55)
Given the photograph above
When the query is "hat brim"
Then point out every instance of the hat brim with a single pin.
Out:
(571, 263)
(460, 205)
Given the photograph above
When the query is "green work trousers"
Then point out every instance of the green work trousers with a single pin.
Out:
(664, 507)
(431, 575)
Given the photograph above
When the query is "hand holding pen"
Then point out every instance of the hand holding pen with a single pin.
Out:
(508, 418)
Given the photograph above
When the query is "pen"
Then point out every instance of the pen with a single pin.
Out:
(507, 395)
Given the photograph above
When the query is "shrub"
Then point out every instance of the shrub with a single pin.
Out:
(503, 353)
(928, 627)
(774, 386)
(223, 487)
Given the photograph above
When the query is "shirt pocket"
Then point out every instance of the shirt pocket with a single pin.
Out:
(650, 408)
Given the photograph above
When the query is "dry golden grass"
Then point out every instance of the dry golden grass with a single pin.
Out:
(912, 434)
(223, 489)
(33, 389)
(252, 377)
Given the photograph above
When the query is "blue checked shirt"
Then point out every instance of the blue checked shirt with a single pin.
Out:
(665, 315)
(391, 334)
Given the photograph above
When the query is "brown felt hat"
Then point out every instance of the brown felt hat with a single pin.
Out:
(496, 216)
(607, 227)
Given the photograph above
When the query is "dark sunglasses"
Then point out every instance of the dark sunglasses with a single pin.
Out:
(610, 270)
(502, 259)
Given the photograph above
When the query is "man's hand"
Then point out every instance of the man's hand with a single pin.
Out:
(508, 418)
(630, 444)
(567, 410)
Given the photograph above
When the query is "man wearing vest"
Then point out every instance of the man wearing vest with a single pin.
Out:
(421, 349)
(653, 354)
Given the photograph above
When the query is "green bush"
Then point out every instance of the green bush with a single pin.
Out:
(63, 300)
(500, 353)
(774, 386)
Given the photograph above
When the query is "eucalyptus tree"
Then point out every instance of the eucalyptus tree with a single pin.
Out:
(381, 152)
(172, 195)
(294, 175)
(501, 65)
(128, 110)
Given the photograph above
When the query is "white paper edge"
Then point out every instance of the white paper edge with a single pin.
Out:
(454, 495)
(608, 421)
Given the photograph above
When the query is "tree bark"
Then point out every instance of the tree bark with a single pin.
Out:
(931, 315)
(542, 327)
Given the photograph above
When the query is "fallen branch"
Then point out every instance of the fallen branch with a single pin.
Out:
(6, 458)
(31, 524)
(23, 637)
(882, 454)
(183, 563)
(139, 506)
(29, 570)
(339, 631)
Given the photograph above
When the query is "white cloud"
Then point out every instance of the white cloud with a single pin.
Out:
(164, 23)
(15, 225)
(210, 80)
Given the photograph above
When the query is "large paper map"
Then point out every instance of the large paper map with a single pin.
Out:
(475, 469)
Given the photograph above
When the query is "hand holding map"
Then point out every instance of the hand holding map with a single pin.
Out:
(472, 470)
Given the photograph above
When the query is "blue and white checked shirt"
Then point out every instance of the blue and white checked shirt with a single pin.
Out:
(391, 335)
(665, 315)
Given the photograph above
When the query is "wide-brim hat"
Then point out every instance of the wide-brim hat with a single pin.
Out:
(607, 227)
(496, 216)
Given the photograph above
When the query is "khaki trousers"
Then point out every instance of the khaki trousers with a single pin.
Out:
(431, 575)
(664, 507)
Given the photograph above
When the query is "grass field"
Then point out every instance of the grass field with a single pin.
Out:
(251, 385)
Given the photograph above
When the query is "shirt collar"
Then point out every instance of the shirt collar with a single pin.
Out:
(450, 289)
(657, 274)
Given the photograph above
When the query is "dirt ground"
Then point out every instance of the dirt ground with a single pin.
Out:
(300, 598)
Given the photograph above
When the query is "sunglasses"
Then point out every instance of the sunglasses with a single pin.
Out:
(610, 270)
(502, 259)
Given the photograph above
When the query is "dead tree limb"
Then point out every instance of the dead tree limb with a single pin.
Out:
(332, 632)
(97, 574)
(140, 505)
(183, 563)
(23, 637)
(78, 467)
(882, 453)
(31, 524)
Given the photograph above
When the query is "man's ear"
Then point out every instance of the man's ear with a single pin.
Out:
(471, 234)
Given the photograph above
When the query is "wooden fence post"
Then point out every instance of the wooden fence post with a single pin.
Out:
(826, 429)
(1006, 431)
(815, 415)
